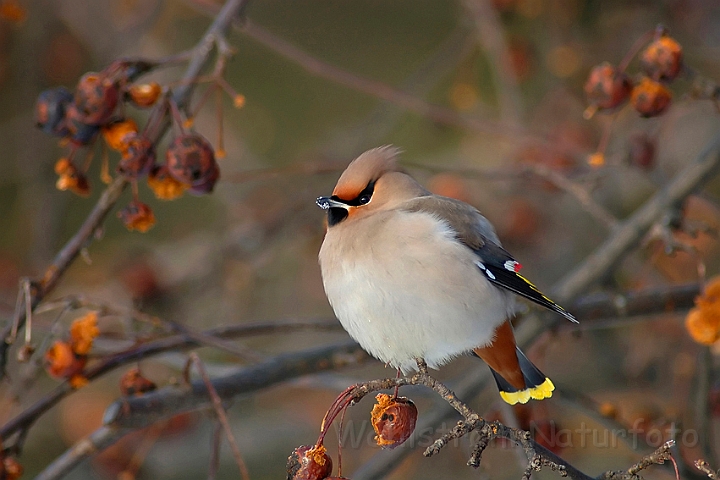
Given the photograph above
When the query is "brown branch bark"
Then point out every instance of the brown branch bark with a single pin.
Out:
(173, 343)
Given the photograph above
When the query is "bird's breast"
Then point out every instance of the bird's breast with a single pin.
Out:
(404, 287)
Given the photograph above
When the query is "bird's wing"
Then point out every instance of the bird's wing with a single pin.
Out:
(475, 231)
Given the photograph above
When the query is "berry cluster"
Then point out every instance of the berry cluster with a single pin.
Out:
(393, 419)
(97, 109)
(609, 87)
(66, 359)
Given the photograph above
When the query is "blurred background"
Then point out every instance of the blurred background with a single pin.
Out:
(511, 74)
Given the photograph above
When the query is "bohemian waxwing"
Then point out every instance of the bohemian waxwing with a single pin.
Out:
(412, 275)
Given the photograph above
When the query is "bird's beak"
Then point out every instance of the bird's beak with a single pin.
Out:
(328, 202)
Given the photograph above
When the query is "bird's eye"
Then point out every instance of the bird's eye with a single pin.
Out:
(364, 199)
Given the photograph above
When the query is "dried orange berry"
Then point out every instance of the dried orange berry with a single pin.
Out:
(606, 87)
(137, 216)
(309, 463)
(10, 469)
(163, 185)
(703, 321)
(393, 420)
(78, 381)
(133, 383)
(190, 160)
(662, 59)
(239, 100)
(145, 94)
(50, 111)
(138, 157)
(96, 97)
(596, 160)
(82, 333)
(71, 178)
(62, 362)
(114, 133)
(650, 98)
(63, 166)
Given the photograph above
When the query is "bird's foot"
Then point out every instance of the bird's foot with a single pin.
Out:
(422, 366)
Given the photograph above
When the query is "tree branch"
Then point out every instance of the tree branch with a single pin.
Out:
(133, 413)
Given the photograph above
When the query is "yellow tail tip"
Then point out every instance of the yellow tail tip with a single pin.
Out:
(540, 392)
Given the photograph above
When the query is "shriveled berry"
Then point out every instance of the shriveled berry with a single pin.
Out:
(79, 132)
(114, 133)
(309, 463)
(62, 362)
(144, 95)
(70, 178)
(606, 87)
(662, 59)
(163, 185)
(96, 97)
(133, 383)
(393, 420)
(137, 216)
(138, 157)
(191, 160)
(11, 469)
(209, 183)
(50, 110)
(650, 98)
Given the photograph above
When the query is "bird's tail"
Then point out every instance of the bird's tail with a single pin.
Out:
(537, 385)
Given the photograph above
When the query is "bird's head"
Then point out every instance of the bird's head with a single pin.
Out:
(372, 182)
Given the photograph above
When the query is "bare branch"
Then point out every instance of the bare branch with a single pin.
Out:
(130, 414)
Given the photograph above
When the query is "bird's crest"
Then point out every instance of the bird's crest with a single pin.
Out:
(365, 169)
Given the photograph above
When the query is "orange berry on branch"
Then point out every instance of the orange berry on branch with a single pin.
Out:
(70, 178)
(309, 463)
(393, 420)
(144, 95)
(703, 321)
(662, 59)
(137, 216)
(10, 469)
(607, 87)
(114, 133)
(62, 362)
(190, 160)
(83, 331)
(96, 97)
(650, 97)
(138, 157)
(163, 185)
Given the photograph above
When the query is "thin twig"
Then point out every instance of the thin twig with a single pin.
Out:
(705, 468)
(174, 343)
(221, 415)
